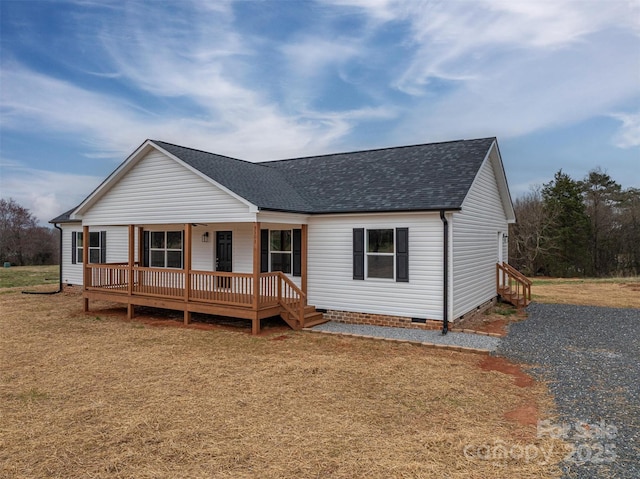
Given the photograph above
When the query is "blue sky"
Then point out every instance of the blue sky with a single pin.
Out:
(83, 83)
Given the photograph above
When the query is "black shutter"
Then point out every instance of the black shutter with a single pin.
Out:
(358, 253)
(297, 252)
(145, 249)
(74, 248)
(402, 255)
(103, 247)
(264, 251)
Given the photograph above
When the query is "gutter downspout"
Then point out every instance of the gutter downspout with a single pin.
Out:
(445, 275)
(55, 225)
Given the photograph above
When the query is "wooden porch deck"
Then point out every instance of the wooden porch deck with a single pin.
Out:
(209, 292)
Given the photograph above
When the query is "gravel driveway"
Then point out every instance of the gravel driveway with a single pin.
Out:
(590, 357)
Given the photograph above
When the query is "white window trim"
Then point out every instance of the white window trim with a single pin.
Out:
(290, 253)
(80, 247)
(367, 253)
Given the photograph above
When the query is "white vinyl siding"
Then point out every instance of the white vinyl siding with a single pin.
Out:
(330, 266)
(71, 273)
(475, 242)
(159, 190)
(203, 254)
(117, 249)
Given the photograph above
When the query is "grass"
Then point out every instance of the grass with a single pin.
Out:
(118, 399)
(611, 292)
(24, 276)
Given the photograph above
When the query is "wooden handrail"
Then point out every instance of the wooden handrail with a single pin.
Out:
(517, 274)
(295, 306)
(512, 283)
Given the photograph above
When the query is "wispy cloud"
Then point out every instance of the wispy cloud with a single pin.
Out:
(511, 67)
(201, 77)
(45, 193)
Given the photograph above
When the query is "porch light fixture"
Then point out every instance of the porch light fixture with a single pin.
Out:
(205, 237)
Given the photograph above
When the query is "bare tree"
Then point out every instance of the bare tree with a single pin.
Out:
(529, 238)
(628, 259)
(22, 241)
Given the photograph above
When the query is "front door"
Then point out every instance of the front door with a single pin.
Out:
(223, 256)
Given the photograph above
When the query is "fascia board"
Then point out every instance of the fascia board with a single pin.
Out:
(493, 156)
(503, 184)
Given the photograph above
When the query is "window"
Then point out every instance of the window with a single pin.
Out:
(381, 254)
(97, 246)
(280, 250)
(165, 249)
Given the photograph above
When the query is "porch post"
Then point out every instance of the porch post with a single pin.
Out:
(187, 271)
(255, 326)
(303, 259)
(132, 234)
(86, 273)
(140, 246)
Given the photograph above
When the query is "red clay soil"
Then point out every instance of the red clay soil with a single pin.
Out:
(497, 326)
(528, 413)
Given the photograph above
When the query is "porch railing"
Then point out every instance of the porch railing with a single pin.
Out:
(234, 289)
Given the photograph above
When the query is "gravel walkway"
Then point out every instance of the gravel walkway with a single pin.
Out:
(465, 340)
(590, 357)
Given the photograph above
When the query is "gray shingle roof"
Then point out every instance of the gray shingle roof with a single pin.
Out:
(65, 217)
(421, 177)
(424, 177)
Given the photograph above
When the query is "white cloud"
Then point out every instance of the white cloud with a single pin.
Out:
(629, 134)
(46, 194)
(511, 68)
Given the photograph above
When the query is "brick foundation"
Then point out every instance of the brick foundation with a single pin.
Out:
(380, 320)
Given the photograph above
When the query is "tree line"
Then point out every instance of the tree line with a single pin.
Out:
(568, 227)
(22, 241)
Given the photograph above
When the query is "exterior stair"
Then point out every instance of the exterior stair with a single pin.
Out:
(311, 318)
(512, 286)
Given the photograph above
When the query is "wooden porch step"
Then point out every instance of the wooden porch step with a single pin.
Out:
(516, 300)
(313, 319)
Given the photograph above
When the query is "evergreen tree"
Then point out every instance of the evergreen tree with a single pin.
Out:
(602, 199)
(567, 242)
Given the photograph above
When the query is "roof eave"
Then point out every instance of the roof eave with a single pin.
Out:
(367, 211)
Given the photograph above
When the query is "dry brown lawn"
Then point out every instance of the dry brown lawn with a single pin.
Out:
(614, 292)
(96, 396)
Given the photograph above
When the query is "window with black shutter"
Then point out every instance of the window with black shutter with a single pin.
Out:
(281, 250)
(381, 253)
(97, 247)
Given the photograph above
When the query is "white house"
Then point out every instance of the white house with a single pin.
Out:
(403, 236)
